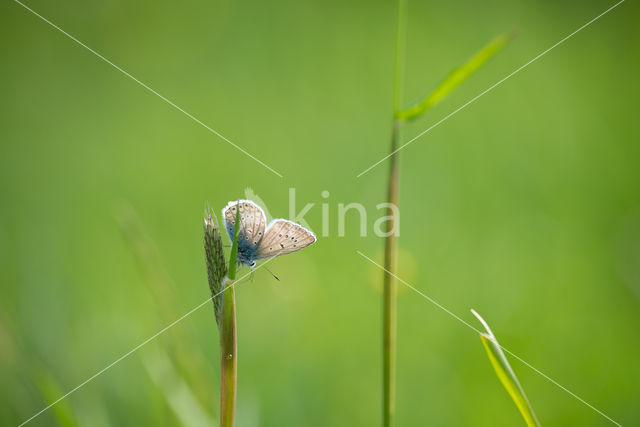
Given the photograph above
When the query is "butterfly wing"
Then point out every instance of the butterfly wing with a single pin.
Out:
(283, 237)
(252, 222)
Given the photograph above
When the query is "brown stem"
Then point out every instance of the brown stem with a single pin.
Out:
(228, 357)
(389, 296)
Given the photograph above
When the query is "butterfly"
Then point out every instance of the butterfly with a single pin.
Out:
(258, 241)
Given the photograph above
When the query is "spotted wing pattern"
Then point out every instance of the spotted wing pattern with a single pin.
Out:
(283, 237)
(252, 223)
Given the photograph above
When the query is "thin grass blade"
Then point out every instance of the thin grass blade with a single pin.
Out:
(457, 77)
(505, 373)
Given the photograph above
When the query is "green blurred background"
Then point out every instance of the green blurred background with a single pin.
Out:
(524, 206)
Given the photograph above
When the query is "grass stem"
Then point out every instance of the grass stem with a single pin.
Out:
(228, 339)
(400, 116)
(389, 303)
(389, 293)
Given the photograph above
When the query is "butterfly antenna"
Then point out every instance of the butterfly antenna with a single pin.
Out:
(270, 272)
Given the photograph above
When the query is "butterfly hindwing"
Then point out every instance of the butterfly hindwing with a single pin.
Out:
(283, 237)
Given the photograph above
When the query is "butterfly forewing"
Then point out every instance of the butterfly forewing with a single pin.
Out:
(283, 237)
(252, 222)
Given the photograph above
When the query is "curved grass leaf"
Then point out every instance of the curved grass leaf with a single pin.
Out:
(456, 77)
(505, 373)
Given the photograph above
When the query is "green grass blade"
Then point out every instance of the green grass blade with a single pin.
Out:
(456, 77)
(233, 257)
(505, 373)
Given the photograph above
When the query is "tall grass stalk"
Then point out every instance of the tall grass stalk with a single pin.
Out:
(221, 283)
(228, 339)
(389, 303)
(400, 116)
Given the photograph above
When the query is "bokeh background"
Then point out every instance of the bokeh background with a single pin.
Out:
(524, 206)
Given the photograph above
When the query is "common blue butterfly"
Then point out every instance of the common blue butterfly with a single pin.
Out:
(258, 241)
